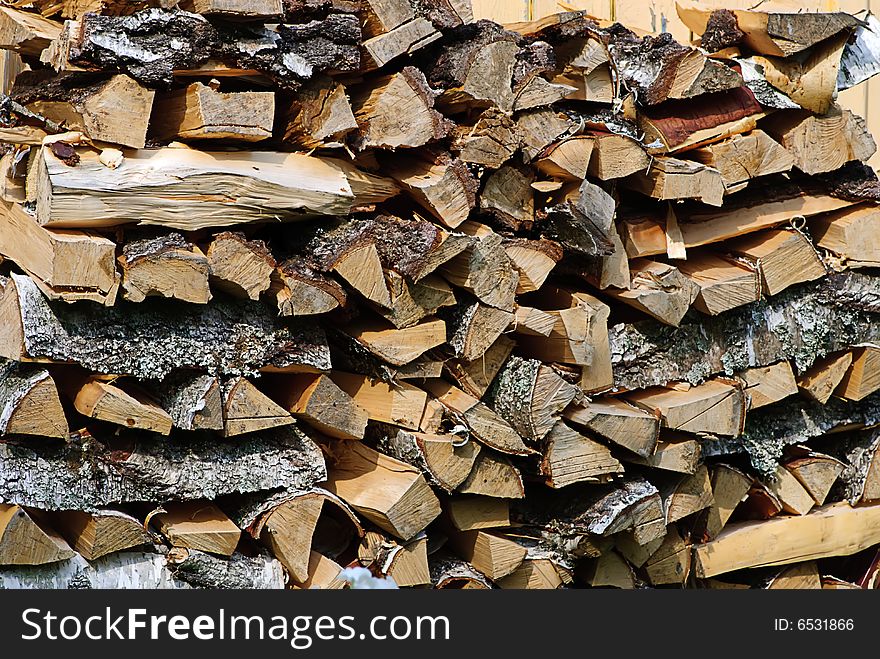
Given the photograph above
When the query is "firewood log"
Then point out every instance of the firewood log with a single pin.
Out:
(729, 487)
(401, 404)
(801, 576)
(199, 525)
(572, 457)
(297, 185)
(716, 406)
(476, 376)
(677, 454)
(473, 327)
(27, 538)
(861, 378)
(262, 9)
(26, 33)
(319, 115)
(99, 533)
(200, 112)
(671, 562)
(243, 268)
(610, 571)
(483, 268)
(493, 475)
(668, 179)
(165, 266)
(318, 401)
(533, 574)
(782, 258)
(507, 196)
(724, 283)
(444, 186)
(860, 480)
(490, 141)
(452, 572)
(302, 291)
(239, 571)
(619, 422)
(30, 403)
(445, 460)
(534, 260)
(817, 473)
(659, 290)
(494, 556)
(849, 234)
(388, 492)
(115, 109)
(207, 336)
(685, 495)
(193, 401)
(246, 409)
(87, 475)
(744, 157)
(794, 497)
(472, 513)
(768, 384)
(118, 402)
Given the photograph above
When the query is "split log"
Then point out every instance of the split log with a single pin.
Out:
(817, 473)
(192, 400)
(530, 396)
(69, 265)
(475, 377)
(507, 196)
(302, 291)
(403, 39)
(453, 573)
(583, 221)
(199, 525)
(472, 513)
(166, 266)
(398, 346)
(290, 523)
(318, 401)
(532, 574)
(398, 111)
(246, 409)
(406, 565)
(27, 539)
(744, 157)
(134, 569)
(568, 159)
(115, 109)
(686, 495)
(668, 179)
(494, 476)
(290, 53)
(541, 128)
(400, 404)
(801, 576)
(730, 487)
(236, 9)
(659, 69)
(610, 570)
(223, 336)
(680, 455)
(862, 377)
(29, 403)
(390, 493)
(183, 187)
(494, 556)
(835, 530)
(616, 156)
(724, 283)
(619, 422)
(850, 234)
(534, 260)
(768, 384)
(716, 407)
(490, 141)
(443, 186)
(782, 257)
(121, 403)
(771, 32)
(483, 268)
(87, 475)
(412, 303)
(821, 143)
(238, 572)
(445, 460)
(860, 480)
(201, 112)
(100, 533)
(243, 268)
(794, 497)
(659, 290)
(671, 563)
(26, 33)
(570, 457)
(319, 115)
(485, 425)
(802, 324)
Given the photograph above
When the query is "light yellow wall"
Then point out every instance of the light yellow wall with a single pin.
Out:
(657, 16)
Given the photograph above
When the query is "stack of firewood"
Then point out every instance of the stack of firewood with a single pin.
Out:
(295, 285)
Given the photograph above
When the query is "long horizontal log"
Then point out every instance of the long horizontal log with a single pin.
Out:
(803, 323)
(189, 189)
(85, 474)
(148, 340)
(144, 570)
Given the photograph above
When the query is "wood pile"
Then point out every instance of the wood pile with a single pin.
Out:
(293, 286)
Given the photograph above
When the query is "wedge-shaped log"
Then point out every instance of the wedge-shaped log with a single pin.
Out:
(390, 493)
(398, 346)
(494, 476)
(183, 185)
(319, 115)
(486, 426)
(288, 523)
(27, 539)
(29, 402)
(443, 186)
(817, 473)
(115, 109)
(200, 112)
(494, 556)
(620, 422)
(862, 377)
(781, 256)
(445, 460)
(121, 403)
(659, 290)
(86, 474)
(744, 157)
(406, 564)
(26, 33)
(730, 486)
(669, 179)
(197, 525)
(228, 337)
(238, 266)
(194, 401)
(768, 384)
(793, 496)
(851, 234)
(70, 265)
(318, 401)
(724, 283)
(400, 404)
(834, 530)
(571, 457)
(716, 407)
(101, 532)
(533, 260)
(681, 455)
(246, 409)
(166, 266)
(300, 290)
(472, 513)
